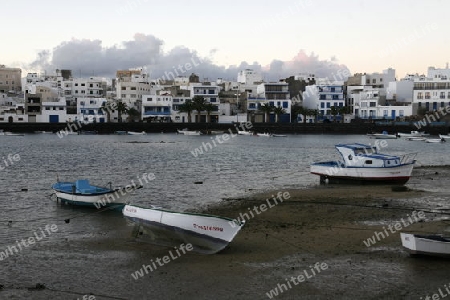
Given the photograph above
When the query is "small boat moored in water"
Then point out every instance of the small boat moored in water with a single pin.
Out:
(383, 135)
(265, 134)
(244, 132)
(81, 192)
(444, 137)
(189, 132)
(208, 234)
(363, 163)
(434, 245)
(440, 140)
(414, 133)
(8, 133)
(136, 133)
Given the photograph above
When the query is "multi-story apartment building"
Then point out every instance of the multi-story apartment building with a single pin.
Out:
(379, 81)
(323, 96)
(369, 105)
(210, 93)
(91, 110)
(275, 94)
(432, 91)
(10, 80)
(131, 85)
(157, 108)
(12, 110)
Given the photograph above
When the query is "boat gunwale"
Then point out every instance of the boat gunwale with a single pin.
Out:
(72, 184)
(240, 223)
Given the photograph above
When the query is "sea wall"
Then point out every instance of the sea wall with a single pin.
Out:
(293, 128)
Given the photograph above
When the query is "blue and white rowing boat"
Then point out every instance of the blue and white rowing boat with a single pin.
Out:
(208, 234)
(81, 192)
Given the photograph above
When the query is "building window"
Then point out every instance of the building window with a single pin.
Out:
(420, 95)
(373, 104)
(212, 100)
(401, 112)
(442, 95)
(285, 104)
(251, 105)
(83, 84)
(374, 80)
(133, 88)
(385, 113)
(427, 95)
(328, 104)
(322, 105)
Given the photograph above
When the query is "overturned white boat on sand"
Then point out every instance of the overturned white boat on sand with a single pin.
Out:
(363, 163)
(208, 234)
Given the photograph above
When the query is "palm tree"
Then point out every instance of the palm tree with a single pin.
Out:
(334, 112)
(133, 114)
(198, 103)
(278, 111)
(187, 108)
(121, 108)
(297, 109)
(266, 109)
(313, 112)
(343, 110)
(106, 107)
(209, 108)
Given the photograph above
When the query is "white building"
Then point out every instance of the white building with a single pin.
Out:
(400, 91)
(275, 94)
(323, 96)
(249, 77)
(53, 112)
(131, 85)
(90, 110)
(438, 73)
(210, 93)
(157, 108)
(12, 110)
(431, 93)
(367, 106)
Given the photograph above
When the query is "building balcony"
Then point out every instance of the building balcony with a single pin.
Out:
(157, 113)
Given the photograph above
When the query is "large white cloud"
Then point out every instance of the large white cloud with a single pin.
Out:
(88, 57)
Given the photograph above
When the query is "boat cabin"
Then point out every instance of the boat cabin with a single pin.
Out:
(360, 155)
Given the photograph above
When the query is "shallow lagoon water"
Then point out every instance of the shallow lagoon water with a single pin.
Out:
(237, 168)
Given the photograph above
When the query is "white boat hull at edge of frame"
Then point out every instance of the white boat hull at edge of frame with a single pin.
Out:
(423, 245)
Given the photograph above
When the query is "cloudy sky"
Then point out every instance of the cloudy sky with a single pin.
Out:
(281, 38)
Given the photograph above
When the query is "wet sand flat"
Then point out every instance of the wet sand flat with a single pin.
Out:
(326, 225)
